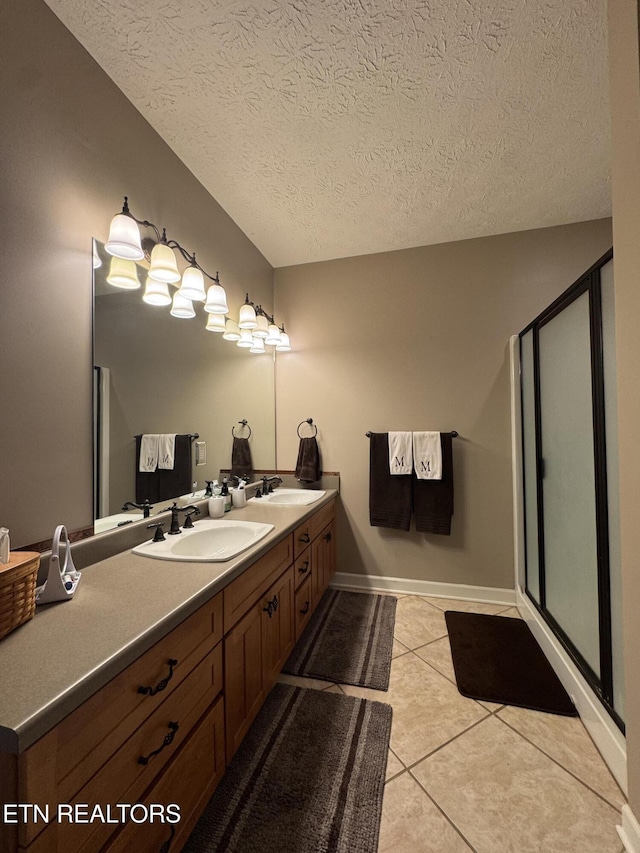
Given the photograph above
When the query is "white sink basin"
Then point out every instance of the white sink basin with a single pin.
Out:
(211, 540)
(292, 497)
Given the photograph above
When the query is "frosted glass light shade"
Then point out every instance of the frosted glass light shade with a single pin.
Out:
(246, 339)
(285, 343)
(192, 286)
(163, 264)
(216, 300)
(215, 323)
(182, 307)
(273, 335)
(123, 274)
(262, 329)
(97, 262)
(257, 345)
(231, 331)
(124, 238)
(156, 293)
(247, 319)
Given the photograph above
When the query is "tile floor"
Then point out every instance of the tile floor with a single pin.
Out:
(474, 776)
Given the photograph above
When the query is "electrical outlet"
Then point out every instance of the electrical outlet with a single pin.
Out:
(201, 452)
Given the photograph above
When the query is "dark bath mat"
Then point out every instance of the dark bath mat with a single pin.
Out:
(497, 659)
(349, 639)
(308, 778)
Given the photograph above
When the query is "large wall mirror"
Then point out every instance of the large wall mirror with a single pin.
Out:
(154, 373)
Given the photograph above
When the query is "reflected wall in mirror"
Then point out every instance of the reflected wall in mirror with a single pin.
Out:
(161, 374)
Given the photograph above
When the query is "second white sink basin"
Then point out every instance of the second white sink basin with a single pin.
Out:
(292, 497)
(211, 540)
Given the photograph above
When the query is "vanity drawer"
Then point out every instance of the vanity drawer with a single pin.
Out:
(246, 589)
(59, 764)
(124, 778)
(303, 605)
(306, 532)
(188, 782)
(302, 567)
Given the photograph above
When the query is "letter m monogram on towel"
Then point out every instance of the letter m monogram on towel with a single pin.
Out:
(399, 462)
(426, 466)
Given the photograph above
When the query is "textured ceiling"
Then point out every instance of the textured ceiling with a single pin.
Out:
(329, 128)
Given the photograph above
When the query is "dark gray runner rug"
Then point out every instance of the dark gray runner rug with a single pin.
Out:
(308, 778)
(349, 639)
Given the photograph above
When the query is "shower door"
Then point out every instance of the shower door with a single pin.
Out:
(569, 454)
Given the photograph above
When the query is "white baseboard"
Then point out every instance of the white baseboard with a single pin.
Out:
(629, 832)
(606, 735)
(408, 586)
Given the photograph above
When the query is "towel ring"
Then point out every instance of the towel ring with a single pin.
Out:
(311, 423)
(244, 424)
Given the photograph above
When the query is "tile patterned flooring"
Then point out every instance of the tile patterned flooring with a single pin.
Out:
(467, 776)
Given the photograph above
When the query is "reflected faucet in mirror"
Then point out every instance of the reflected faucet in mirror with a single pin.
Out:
(145, 507)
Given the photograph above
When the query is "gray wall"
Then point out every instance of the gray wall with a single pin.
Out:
(71, 147)
(624, 65)
(412, 340)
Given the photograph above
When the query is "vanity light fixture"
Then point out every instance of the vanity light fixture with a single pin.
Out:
(192, 286)
(215, 323)
(262, 329)
(231, 331)
(247, 318)
(273, 336)
(156, 293)
(182, 307)
(258, 345)
(246, 338)
(216, 299)
(124, 236)
(285, 343)
(163, 263)
(123, 274)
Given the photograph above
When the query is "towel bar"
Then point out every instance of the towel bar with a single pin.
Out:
(453, 434)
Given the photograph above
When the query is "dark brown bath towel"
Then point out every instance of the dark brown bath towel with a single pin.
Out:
(389, 494)
(433, 499)
(241, 464)
(308, 464)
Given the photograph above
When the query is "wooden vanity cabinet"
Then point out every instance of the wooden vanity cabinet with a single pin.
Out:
(323, 561)
(118, 745)
(259, 643)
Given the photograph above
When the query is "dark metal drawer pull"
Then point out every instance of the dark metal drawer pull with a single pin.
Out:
(328, 537)
(304, 568)
(145, 759)
(272, 606)
(305, 538)
(167, 844)
(305, 609)
(151, 691)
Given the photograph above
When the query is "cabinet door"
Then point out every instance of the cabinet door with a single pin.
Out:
(303, 606)
(328, 540)
(278, 632)
(244, 687)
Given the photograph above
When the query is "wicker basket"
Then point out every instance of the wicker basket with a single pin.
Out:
(18, 589)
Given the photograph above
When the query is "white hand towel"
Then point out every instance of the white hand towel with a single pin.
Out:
(400, 453)
(166, 451)
(427, 455)
(149, 448)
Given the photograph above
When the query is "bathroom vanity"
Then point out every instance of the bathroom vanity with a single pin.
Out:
(141, 689)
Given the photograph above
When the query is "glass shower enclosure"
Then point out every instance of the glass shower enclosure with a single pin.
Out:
(570, 471)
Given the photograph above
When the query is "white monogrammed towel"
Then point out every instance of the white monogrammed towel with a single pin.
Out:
(400, 453)
(427, 455)
(149, 447)
(166, 451)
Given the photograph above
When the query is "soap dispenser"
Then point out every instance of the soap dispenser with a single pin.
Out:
(224, 492)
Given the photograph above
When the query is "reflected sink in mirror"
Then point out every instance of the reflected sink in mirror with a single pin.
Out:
(211, 540)
(292, 497)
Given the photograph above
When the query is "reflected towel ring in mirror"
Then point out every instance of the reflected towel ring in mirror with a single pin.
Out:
(311, 423)
(242, 423)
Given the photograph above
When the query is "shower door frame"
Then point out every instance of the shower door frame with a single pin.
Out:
(588, 283)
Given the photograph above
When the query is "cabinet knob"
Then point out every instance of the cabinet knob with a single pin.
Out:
(305, 609)
(304, 567)
(327, 538)
(173, 727)
(272, 606)
(306, 538)
(160, 686)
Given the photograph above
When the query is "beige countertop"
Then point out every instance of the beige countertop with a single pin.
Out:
(124, 604)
